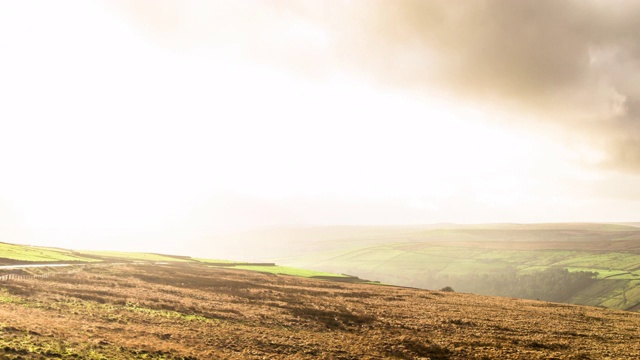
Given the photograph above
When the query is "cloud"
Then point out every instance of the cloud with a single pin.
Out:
(573, 65)
(280, 33)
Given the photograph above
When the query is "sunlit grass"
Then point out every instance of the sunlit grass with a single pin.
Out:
(39, 254)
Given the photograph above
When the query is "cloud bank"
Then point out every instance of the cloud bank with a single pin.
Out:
(574, 64)
(571, 65)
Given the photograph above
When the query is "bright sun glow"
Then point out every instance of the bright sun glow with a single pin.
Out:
(115, 135)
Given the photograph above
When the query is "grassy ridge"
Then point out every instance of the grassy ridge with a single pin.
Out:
(16, 253)
(134, 256)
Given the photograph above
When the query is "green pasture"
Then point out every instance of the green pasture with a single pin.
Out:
(28, 253)
(602, 260)
(609, 274)
(611, 293)
(39, 254)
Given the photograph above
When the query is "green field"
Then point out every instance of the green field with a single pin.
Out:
(24, 253)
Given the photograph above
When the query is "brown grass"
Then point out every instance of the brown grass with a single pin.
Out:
(183, 311)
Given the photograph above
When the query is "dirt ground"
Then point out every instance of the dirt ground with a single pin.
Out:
(183, 311)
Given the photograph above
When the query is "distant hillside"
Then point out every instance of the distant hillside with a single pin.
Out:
(278, 242)
(491, 259)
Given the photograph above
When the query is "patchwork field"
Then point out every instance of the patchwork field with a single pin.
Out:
(13, 253)
(464, 268)
(192, 311)
(486, 259)
(296, 241)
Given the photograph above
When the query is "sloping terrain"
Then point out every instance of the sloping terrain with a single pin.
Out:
(190, 311)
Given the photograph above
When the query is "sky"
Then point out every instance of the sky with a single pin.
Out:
(130, 124)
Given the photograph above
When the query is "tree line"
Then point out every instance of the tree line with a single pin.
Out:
(553, 284)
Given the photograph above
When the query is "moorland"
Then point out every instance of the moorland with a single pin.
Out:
(189, 310)
(60, 303)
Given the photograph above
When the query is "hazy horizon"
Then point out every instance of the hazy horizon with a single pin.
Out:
(158, 125)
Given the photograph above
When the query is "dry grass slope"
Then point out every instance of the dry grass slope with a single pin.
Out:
(189, 311)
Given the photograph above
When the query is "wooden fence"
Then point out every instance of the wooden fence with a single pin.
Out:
(8, 277)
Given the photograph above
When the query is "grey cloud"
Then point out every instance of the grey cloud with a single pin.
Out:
(575, 64)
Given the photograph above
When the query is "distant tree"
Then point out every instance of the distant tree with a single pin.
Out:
(447, 289)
